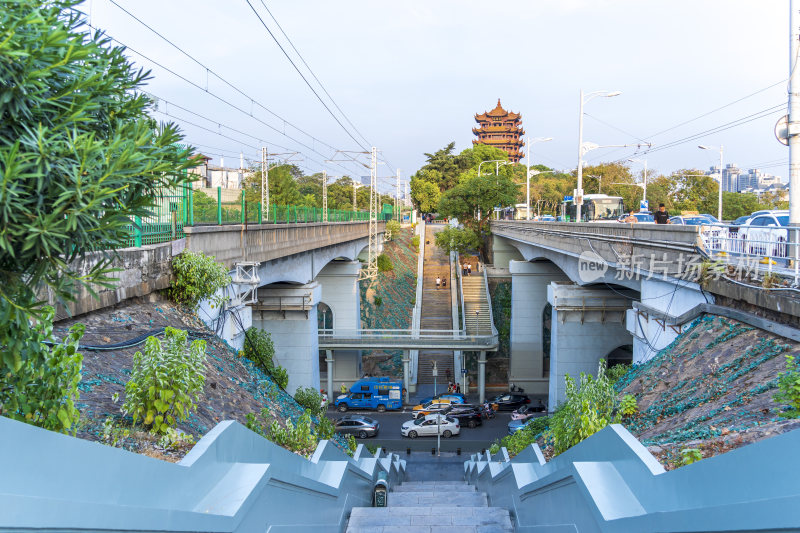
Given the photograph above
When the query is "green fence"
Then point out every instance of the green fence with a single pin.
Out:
(187, 207)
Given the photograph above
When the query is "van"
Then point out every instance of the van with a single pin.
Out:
(372, 393)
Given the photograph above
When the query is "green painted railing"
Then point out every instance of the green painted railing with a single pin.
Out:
(189, 207)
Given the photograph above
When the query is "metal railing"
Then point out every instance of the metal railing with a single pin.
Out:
(405, 338)
(754, 249)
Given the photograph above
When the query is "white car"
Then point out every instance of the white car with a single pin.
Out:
(766, 235)
(427, 427)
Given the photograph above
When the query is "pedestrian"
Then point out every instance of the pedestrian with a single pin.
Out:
(631, 219)
(464, 269)
(469, 269)
(343, 389)
(662, 216)
(458, 388)
(438, 282)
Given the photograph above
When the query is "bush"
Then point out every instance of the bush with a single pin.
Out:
(789, 387)
(628, 407)
(588, 409)
(392, 229)
(617, 372)
(310, 399)
(259, 348)
(523, 438)
(325, 428)
(165, 381)
(690, 455)
(300, 438)
(197, 277)
(384, 263)
(415, 243)
(281, 377)
(45, 395)
(378, 301)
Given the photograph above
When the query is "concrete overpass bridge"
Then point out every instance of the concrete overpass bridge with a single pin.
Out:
(620, 292)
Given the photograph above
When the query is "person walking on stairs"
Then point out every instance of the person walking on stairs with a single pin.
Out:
(438, 282)
(469, 269)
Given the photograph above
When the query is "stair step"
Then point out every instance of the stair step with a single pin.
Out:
(437, 499)
(450, 486)
(427, 519)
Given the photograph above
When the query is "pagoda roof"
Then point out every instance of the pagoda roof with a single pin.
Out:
(497, 112)
(499, 129)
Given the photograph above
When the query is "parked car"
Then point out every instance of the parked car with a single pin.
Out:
(547, 218)
(644, 217)
(430, 425)
(685, 220)
(516, 425)
(358, 425)
(766, 235)
(527, 411)
(467, 415)
(433, 406)
(510, 401)
(741, 220)
(454, 397)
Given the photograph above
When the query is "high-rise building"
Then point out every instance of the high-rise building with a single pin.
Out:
(501, 129)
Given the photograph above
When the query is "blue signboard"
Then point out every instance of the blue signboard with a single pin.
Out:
(568, 198)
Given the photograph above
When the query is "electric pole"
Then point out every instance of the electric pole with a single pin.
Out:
(324, 196)
(397, 197)
(793, 128)
(355, 207)
(371, 271)
(264, 184)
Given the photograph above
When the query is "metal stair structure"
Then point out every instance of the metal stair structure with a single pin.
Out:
(428, 506)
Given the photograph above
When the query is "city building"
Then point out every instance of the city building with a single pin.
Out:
(735, 179)
(501, 129)
(213, 176)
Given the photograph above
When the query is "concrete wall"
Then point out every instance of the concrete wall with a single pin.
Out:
(587, 324)
(233, 480)
(609, 483)
(529, 282)
(503, 252)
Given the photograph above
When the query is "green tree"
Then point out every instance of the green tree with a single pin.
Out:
(461, 240)
(473, 200)
(283, 187)
(425, 195)
(695, 191)
(80, 158)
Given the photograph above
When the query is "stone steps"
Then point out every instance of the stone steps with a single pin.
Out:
(436, 312)
(428, 507)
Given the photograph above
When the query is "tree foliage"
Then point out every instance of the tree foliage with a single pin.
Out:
(79, 158)
(197, 277)
(461, 240)
(473, 200)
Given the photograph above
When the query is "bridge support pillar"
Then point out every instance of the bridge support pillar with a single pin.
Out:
(482, 377)
(289, 314)
(406, 376)
(340, 292)
(587, 325)
(529, 282)
(329, 363)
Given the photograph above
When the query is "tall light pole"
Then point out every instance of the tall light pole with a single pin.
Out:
(585, 100)
(644, 185)
(528, 174)
(703, 147)
(496, 168)
(793, 126)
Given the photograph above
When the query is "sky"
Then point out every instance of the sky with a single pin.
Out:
(409, 77)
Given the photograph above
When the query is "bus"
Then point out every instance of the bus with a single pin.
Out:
(372, 393)
(596, 208)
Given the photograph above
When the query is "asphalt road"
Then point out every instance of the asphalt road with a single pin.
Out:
(470, 440)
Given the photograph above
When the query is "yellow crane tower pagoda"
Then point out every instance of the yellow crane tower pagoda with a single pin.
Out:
(501, 129)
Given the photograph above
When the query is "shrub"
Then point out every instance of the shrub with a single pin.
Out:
(523, 438)
(628, 407)
(588, 409)
(789, 387)
(392, 229)
(415, 243)
(45, 395)
(384, 263)
(310, 399)
(197, 277)
(616, 372)
(325, 428)
(259, 348)
(690, 455)
(165, 381)
(378, 301)
(281, 377)
(300, 438)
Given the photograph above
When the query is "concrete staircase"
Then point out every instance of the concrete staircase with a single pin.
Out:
(430, 506)
(476, 299)
(435, 311)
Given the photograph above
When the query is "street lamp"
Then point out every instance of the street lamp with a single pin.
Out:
(528, 174)
(496, 167)
(588, 97)
(644, 192)
(703, 147)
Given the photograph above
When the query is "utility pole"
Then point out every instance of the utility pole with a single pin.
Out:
(371, 271)
(324, 196)
(397, 197)
(264, 184)
(793, 128)
(355, 208)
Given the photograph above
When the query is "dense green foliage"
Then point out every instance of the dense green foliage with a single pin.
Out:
(301, 437)
(197, 277)
(259, 348)
(461, 240)
(415, 243)
(690, 455)
(384, 263)
(166, 380)
(627, 406)
(789, 386)
(310, 399)
(392, 229)
(79, 160)
(45, 395)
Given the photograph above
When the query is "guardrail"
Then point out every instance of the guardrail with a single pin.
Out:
(754, 248)
(610, 483)
(405, 339)
(233, 480)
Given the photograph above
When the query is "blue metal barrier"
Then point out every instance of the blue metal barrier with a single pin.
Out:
(611, 483)
(232, 481)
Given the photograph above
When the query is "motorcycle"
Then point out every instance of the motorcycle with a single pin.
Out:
(487, 411)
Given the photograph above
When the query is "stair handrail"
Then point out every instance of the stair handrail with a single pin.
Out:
(488, 300)
(416, 316)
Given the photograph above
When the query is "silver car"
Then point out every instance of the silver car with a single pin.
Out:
(358, 425)
(427, 426)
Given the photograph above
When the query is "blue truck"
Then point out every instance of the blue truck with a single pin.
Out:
(372, 393)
